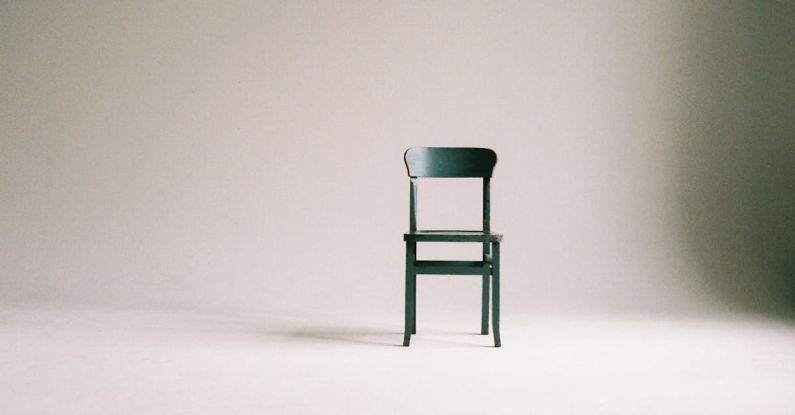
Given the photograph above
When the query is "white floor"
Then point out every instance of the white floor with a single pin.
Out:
(87, 361)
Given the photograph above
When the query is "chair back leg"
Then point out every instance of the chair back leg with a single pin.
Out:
(411, 291)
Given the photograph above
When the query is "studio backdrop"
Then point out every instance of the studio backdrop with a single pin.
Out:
(248, 155)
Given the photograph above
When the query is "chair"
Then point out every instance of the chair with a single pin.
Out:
(452, 162)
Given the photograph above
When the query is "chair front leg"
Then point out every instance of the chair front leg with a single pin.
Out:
(484, 310)
(495, 299)
(413, 303)
(411, 285)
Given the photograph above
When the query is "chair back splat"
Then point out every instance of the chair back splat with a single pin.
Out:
(450, 162)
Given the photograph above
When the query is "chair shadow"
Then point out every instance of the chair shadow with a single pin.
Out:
(342, 335)
(372, 337)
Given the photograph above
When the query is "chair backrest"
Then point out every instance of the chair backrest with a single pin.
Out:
(450, 162)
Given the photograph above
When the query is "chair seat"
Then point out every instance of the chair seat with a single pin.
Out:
(452, 236)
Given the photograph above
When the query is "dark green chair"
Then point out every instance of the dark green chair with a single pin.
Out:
(452, 162)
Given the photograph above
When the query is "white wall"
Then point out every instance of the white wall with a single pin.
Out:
(247, 155)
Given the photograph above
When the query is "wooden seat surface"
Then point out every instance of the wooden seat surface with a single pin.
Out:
(452, 236)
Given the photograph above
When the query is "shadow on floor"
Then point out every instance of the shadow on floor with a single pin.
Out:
(361, 336)
(343, 335)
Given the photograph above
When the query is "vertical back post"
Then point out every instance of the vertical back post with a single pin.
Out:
(413, 205)
(486, 209)
(486, 204)
(484, 313)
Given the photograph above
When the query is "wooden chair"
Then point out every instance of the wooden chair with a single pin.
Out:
(452, 162)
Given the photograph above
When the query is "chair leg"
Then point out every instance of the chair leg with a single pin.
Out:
(495, 299)
(484, 310)
(411, 283)
(413, 303)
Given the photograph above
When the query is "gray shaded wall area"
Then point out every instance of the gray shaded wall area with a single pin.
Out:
(736, 179)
